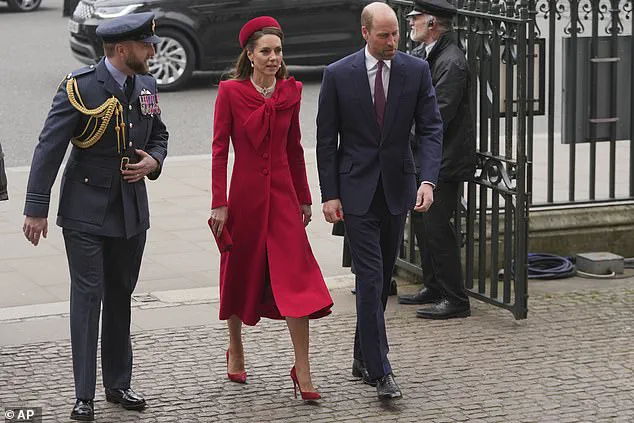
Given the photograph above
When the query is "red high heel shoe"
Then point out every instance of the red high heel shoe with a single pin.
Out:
(236, 377)
(306, 396)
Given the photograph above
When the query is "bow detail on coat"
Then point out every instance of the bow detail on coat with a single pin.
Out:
(258, 124)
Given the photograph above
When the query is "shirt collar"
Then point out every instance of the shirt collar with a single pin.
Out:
(371, 61)
(118, 76)
(429, 47)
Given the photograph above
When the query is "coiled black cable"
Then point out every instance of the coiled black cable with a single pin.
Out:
(546, 266)
(550, 266)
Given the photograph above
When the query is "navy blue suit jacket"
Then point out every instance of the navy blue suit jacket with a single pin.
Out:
(353, 151)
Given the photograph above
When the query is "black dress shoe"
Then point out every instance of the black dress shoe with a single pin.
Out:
(444, 310)
(359, 370)
(128, 399)
(424, 296)
(83, 411)
(386, 387)
(393, 288)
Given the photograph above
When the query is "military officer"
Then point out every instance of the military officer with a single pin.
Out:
(110, 113)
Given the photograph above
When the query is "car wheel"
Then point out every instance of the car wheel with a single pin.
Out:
(173, 64)
(24, 5)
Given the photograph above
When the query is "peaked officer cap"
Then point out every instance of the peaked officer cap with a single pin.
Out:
(440, 8)
(134, 27)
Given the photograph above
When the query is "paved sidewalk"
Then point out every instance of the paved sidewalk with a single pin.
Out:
(572, 361)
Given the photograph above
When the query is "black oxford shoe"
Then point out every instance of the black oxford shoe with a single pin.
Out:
(386, 388)
(83, 411)
(393, 288)
(128, 399)
(424, 296)
(359, 371)
(443, 310)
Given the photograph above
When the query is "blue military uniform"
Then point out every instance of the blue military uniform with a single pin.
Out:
(104, 217)
(93, 196)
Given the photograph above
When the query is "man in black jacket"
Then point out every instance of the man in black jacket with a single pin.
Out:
(431, 25)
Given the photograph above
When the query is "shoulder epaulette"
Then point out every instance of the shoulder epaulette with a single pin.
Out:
(83, 71)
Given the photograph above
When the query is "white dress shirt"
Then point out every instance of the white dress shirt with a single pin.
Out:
(371, 67)
(428, 47)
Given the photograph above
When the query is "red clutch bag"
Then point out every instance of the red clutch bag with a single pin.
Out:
(224, 241)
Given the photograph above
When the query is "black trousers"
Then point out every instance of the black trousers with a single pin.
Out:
(438, 245)
(101, 269)
(374, 240)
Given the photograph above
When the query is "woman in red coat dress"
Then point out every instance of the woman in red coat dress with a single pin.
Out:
(270, 270)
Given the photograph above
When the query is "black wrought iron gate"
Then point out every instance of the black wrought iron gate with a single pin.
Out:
(493, 218)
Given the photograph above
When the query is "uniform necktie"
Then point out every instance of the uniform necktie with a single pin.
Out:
(128, 87)
(379, 94)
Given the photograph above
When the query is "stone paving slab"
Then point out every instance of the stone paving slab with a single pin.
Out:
(571, 361)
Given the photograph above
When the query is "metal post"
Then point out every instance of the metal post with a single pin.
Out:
(511, 58)
(594, 53)
(574, 21)
(614, 85)
(521, 211)
(552, 5)
(530, 74)
(631, 113)
(495, 64)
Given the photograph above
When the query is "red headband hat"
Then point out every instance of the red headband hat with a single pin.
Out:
(256, 24)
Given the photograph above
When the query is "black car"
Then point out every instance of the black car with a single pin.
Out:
(203, 34)
(23, 5)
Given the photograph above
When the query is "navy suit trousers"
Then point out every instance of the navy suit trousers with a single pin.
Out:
(374, 238)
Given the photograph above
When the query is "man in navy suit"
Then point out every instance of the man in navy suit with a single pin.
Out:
(367, 104)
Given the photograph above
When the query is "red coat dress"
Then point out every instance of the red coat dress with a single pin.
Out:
(270, 270)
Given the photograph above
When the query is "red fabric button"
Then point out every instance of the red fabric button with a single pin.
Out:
(265, 155)
(265, 172)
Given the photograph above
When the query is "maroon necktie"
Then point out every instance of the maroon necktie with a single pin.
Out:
(379, 94)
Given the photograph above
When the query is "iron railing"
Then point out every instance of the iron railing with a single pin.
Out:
(585, 48)
(494, 217)
(586, 40)
(536, 146)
